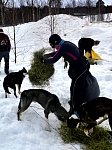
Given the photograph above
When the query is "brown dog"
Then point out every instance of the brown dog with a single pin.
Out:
(48, 101)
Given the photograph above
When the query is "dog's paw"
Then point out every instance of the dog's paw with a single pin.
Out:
(88, 132)
(19, 120)
(15, 95)
(8, 92)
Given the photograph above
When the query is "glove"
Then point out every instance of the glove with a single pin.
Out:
(66, 64)
(42, 60)
(71, 111)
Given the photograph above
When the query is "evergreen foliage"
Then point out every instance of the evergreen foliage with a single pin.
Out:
(40, 73)
(99, 139)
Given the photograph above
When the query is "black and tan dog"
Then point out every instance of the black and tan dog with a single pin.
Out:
(47, 100)
(91, 111)
(14, 80)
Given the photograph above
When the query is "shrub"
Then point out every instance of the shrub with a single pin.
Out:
(99, 140)
(40, 73)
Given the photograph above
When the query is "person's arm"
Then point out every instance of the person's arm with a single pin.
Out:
(8, 43)
(45, 56)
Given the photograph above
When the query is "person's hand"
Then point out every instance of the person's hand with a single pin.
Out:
(66, 64)
(42, 60)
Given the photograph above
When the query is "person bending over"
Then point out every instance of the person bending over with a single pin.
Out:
(86, 44)
(84, 86)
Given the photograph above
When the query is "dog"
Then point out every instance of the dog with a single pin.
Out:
(47, 100)
(14, 80)
(90, 112)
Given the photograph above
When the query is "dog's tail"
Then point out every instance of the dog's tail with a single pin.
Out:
(6, 88)
(23, 104)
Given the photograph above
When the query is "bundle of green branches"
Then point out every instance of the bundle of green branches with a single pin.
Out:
(40, 73)
(99, 139)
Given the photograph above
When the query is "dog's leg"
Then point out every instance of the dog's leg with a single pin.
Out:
(88, 132)
(5, 95)
(19, 87)
(20, 110)
(103, 119)
(46, 112)
(15, 90)
(23, 105)
(89, 129)
(18, 114)
(6, 90)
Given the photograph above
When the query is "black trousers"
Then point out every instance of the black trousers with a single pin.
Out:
(5, 55)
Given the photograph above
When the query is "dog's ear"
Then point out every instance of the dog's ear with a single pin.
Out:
(24, 70)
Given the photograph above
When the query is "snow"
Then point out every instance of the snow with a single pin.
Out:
(30, 133)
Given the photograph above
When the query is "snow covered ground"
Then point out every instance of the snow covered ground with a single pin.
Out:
(30, 133)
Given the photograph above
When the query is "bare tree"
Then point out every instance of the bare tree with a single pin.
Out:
(3, 3)
(74, 3)
(89, 5)
(54, 6)
(80, 2)
(28, 5)
(71, 4)
(21, 4)
(100, 5)
(55, 3)
(33, 14)
(15, 52)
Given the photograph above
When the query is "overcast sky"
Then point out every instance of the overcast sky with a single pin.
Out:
(107, 2)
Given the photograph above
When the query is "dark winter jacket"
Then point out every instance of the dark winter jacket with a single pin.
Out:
(71, 54)
(85, 44)
(84, 86)
(4, 43)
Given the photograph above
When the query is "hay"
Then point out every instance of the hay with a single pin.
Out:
(99, 140)
(40, 73)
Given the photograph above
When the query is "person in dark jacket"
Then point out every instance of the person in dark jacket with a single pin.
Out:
(86, 44)
(84, 86)
(5, 47)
